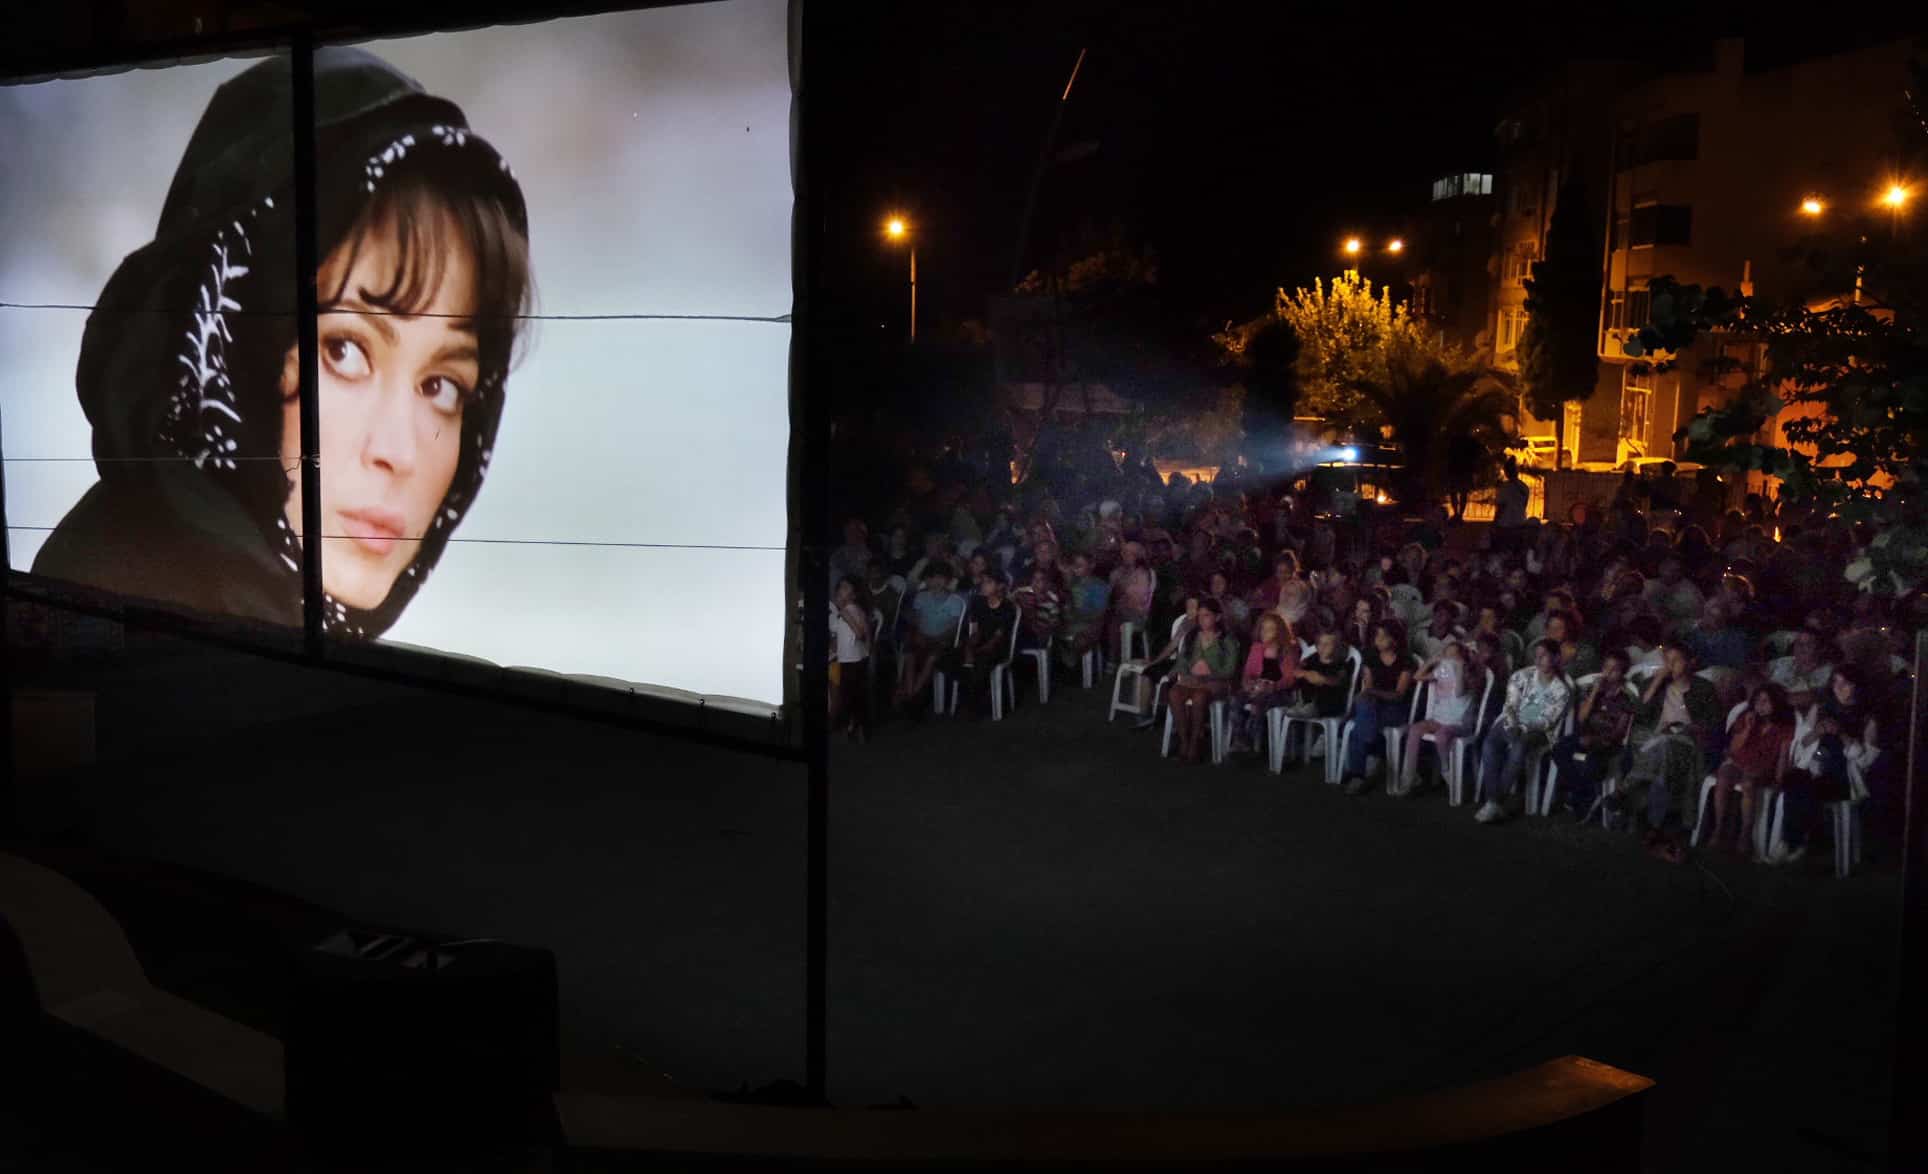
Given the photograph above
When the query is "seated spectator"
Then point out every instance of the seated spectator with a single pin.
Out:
(1757, 747)
(1358, 626)
(1716, 641)
(1577, 658)
(1270, 680)
(1042, 603)
(1210, 668)
(1238, 613)
(1265, 596)
(1838, 732)
(1443, 626)
(935, 612)
(1042, 553)
(1674, 596)
(1451, 706)
(1643, 643)
(886, 592)
(1338, 588)
(852, 559)
(1536, 704)
(937, 549)
(1585, 757)
(986, 644)
(1803, 673)
(1085, 604)
(1171, 657)
(1325, 679)
(1680, 716)
(1385, 694)
(1295, 608)
(1558, 600)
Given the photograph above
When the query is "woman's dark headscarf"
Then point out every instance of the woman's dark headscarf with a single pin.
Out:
(180, 365)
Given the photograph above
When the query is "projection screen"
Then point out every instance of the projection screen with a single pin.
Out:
(555, 291)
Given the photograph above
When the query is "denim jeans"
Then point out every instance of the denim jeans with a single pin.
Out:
(1805, 791)
(1502, 756)
(1582, 776)
(1371, 717)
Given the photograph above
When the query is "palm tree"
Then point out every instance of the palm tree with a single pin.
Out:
(1428, 405)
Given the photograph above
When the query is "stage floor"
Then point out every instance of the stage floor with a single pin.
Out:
(1040, 911)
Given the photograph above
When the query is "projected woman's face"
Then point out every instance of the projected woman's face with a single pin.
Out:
(392, 392)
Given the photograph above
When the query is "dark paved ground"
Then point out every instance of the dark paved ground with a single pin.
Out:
(1038, 911)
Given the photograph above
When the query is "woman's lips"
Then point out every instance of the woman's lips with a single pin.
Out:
(374, 530)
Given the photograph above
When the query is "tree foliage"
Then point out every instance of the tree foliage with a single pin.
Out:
(1559, 360)
(1345, 332)
(1430, 405)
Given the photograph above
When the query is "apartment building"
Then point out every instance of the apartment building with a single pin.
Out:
(1701, 173)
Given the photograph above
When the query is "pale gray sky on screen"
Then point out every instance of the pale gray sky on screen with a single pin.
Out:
(653, 150)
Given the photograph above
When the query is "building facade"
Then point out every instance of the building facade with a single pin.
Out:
(1452, 244)
(1701, 175)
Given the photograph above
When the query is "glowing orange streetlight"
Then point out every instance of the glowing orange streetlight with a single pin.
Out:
(1813, 206)
(1895, 196)
(1353, 245)
(1396, 245)
(897, 231)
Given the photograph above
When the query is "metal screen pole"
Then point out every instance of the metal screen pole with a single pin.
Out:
(1907, 1125)
(307, 260)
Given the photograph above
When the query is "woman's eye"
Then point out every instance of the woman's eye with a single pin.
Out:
(445, 395)
(346, 357)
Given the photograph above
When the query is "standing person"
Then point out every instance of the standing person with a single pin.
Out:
(1537, 698)
(1510, 502)
(852, 559)
(850, 637)
(1208, 677)
(1586, 756)
(1449, 711)
(1756, 757)
(1678, 719)
(1385, 692)
(1270, 680)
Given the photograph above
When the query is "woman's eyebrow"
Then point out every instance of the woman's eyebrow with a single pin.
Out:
(456, 352)
(376, 318)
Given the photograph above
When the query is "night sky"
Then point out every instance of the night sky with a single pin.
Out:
(1240, 141)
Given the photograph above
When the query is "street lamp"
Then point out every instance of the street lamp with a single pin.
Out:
(1813, 206)
(1396, 245)
(897, 231)
(1896, 195)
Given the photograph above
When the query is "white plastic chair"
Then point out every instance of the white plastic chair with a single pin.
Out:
(1279, 728)
(1131, 668)
(1001, 679)
(1221, 727)
(1844, 815)
(1395, 736)
(1451, 769)
(1127, 632)
(939, 681)
(1707, 786)
(1043, 658)
(1091, 665)
(1550, 791)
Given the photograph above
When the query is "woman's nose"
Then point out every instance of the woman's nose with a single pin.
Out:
(390, 443)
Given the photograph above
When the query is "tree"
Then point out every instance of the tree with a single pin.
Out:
(1559, 362)
(1430, 404)
(1345, 332)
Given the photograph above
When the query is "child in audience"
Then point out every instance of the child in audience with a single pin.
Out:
(1449, 711)
(1325, 679)
(850, 637)
(1385, 688)
(1757, 749)
(1585, 756)
(1042, 604)
(987, 641)
(935, 612)
(1679, 716)
(1084, 612)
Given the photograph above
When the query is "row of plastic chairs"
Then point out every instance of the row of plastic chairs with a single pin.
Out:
(1768, 832)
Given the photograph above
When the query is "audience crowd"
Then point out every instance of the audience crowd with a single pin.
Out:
(1658, 639)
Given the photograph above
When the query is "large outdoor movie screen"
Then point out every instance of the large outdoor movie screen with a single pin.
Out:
(554, 286)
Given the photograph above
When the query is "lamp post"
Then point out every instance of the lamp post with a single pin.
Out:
(897, 230)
